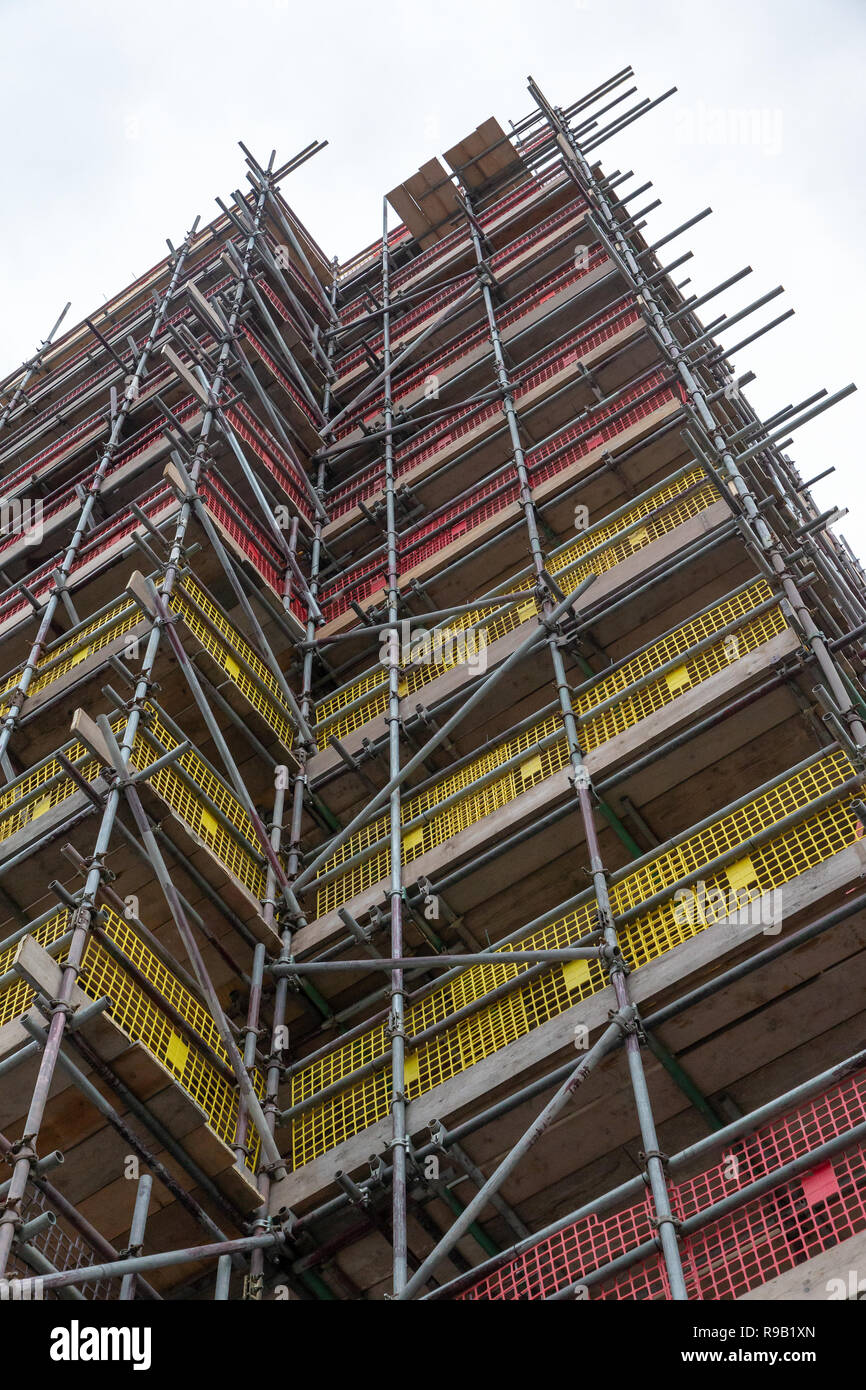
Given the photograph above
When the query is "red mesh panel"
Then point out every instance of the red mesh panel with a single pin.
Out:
(492, 496)
(525, 193)
(547, 365)
(499, 261)
(288, 386)
(738, 1252)
(275, 459)
(522, 304)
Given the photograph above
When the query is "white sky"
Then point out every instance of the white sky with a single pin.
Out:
(121, 124)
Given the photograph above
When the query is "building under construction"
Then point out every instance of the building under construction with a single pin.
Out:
(431, 844)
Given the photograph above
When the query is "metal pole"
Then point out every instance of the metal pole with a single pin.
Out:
(136, 1233)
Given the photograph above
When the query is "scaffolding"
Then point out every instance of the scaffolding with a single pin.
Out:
(431, 691)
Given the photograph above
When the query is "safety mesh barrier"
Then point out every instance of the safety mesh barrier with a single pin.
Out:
(117, 333)
(765, 1237)
(224, 643)
(744, 880)
(279, 375)
(267, 450)
(64, 1250)
(426, 259)
(493, 495)
(499, 261)
(549, 287)
(466, 421)
(45, 786)
(81, 644)
(236, 845)
(608, 544)
(200, 799)
(594, 731)
(155, 504)
(208, 624)
(141, 1019)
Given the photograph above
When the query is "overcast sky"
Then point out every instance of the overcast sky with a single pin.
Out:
(121, 123)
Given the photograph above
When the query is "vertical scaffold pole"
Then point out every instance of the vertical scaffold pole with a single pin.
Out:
(397, 1021)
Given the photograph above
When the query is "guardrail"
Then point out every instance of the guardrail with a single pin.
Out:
(765, 1237)
(605, 707)
(741, 853)
(654, 514)
(129, 975)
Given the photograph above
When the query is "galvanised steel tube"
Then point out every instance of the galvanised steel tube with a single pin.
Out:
(279, 1032)
(501, 769)
(71, 1214)
(83, 523)
(30, 370)
(623, 1019)
(442, 733)
(582, 785)
(397, 1020)
(677, 355)
(10, 1218)
(769, 1181)
(131, 1102)
(712, 1143)
(541, 1084)
(138, 1264)
(136, 1233)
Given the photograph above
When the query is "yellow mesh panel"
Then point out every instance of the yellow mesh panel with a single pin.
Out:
(594, 732)
(653, 933)
(238, 852)
(222, 641)
(119, 619)
(680, 499)
(142, 1021)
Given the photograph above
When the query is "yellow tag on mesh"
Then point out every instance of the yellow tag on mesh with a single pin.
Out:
(40, 807)
(411, 1068)
(639, 537)
(233, 670)
(208, 822)
(176, 1052)
(412, 839)
(677, 679)
(531, 768)
(575, 973)
(741, 873)
(80, 655)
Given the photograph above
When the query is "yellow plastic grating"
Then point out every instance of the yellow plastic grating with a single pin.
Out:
(653, 933)
(231, 651)
(118, 620)
(594, 732)
(675, 502)
(219, 637)
(58, 787)
(238, 852)
(142, 1021)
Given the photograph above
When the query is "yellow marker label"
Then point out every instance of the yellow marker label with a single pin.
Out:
(208, 823)
(233, 670)
(40, 807)
(177, 1052)
(677, 679)
(639, 537)
(80, 655)
(412, 839)
(411, 1068)
(531, 768)
(741, 873)
(575, 973)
